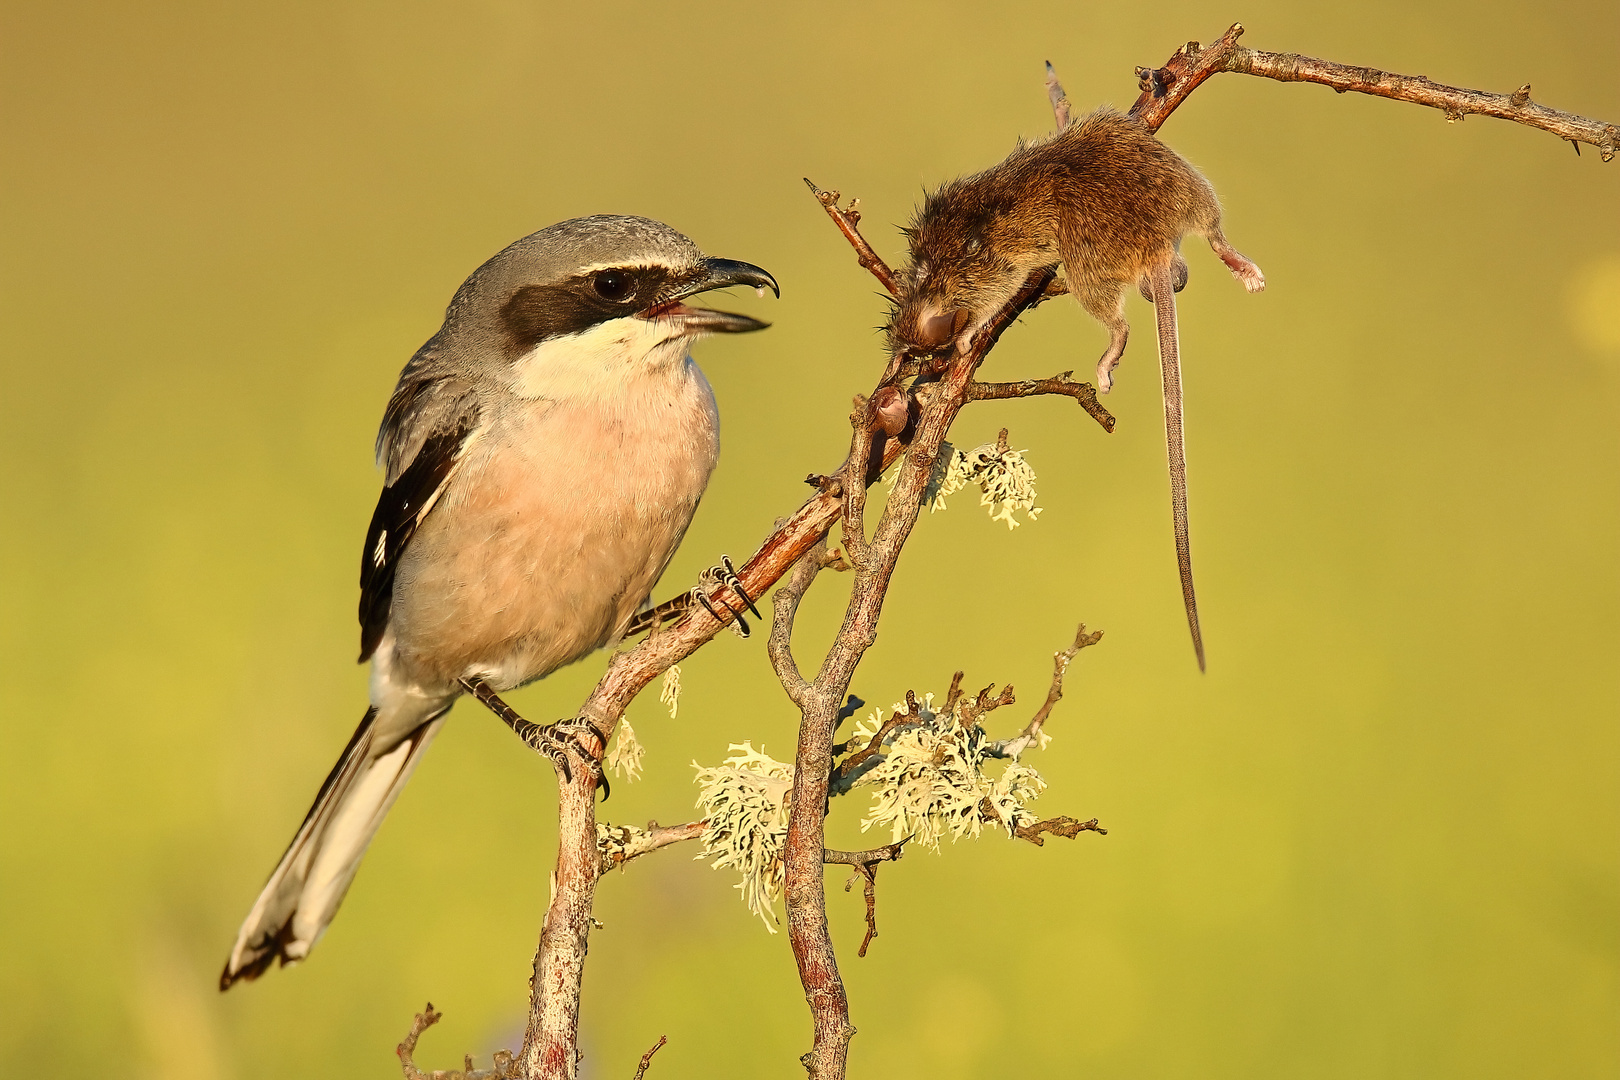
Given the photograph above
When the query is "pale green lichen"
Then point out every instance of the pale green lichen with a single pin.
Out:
(625, 756)
(745, 804)
(1005, 481)
(931, 782)
(669, 691)
(928, 783)
(615, 841)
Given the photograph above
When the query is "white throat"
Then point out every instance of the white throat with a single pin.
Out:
(598, 363)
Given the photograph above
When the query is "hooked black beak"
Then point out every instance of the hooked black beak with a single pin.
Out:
(717, 274)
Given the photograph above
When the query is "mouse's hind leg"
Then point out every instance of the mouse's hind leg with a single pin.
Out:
(1242, 269)
(1106, 303)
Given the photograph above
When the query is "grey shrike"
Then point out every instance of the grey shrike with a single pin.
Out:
(543, 454)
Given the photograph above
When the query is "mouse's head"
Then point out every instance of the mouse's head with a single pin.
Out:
(956, 277)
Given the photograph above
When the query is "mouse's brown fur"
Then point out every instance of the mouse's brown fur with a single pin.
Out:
(1103, 197)
(1108, 201)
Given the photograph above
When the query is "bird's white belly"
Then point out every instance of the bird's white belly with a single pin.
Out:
(553, 532)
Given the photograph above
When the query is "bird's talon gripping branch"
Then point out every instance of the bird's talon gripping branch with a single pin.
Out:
(552, 740)
(707, 594)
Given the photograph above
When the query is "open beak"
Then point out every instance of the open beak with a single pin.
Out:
(716, 274)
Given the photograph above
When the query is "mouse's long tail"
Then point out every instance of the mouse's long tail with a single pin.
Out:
(1164, 309)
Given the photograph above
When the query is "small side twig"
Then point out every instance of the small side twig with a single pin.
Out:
(646, 1059)
(850, 769)
(1011, 748)
(1066, 827)
(984, 704)
(865, 865)
(503, 1068)
(847, 221)
(1061, 385)
(655, 838)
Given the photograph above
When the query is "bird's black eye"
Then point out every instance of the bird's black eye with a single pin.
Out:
(614, 285)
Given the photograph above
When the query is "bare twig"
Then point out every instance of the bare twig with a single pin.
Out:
(1066, 827)
(1165, 88)
(504, 1062)
(853, 516)
(847, 220)
(865, 864)
(1083, 393)
(646, 1059)
(1060, 665)
(983, 705)
(785, 606)
(634, 844)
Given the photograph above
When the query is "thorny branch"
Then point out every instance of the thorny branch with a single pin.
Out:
(821, 699)
(504, 1062)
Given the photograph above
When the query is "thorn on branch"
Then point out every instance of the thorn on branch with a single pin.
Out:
(646, 1059)
(504, 1064)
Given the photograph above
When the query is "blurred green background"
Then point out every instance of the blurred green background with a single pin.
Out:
(1379, 838)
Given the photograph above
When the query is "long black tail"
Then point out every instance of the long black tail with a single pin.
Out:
(307, 886)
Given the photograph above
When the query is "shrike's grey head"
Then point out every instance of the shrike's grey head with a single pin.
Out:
(606, 276)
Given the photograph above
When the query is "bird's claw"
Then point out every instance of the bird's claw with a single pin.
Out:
(706, 594)
(555, 740)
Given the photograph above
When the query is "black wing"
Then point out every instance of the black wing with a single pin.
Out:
(399, 511)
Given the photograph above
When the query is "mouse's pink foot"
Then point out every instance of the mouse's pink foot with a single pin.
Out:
(1242, 269)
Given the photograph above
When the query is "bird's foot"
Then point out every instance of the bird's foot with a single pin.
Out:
(552, 740)
(555, 741)
(708, 594)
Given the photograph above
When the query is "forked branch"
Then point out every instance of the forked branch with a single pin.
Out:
(505, 1067)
